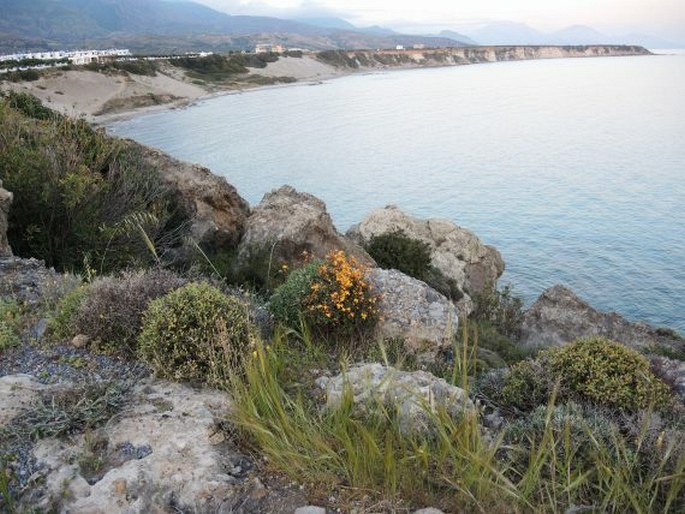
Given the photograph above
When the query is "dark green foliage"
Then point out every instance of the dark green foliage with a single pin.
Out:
(81, 198)
(500, 309)
(287, 302)
(396, 250)
(134, 67)
(525, 387)
(21, 76)
(112, 310)
(217, 67)
(491, 339)
(61, 326)
(195, 333)
(337, 58)
(30, 106)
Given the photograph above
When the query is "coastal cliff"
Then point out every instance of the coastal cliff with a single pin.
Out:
(374, 59)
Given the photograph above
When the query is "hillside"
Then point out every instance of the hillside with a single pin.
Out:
(158, 26)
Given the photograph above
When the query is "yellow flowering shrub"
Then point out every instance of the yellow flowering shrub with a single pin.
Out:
(340, 294)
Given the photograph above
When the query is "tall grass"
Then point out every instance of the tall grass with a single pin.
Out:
(458, 467)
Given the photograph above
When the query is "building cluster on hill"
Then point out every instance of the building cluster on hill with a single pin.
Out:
(77, 57)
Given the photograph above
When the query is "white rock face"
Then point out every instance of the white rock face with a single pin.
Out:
(415, 395)
(455, 251)
(5, 202)
(172, 436)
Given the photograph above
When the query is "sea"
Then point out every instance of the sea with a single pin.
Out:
(573, 168)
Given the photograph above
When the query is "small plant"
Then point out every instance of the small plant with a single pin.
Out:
(112, 312)
(8, 337)
(500, 309)
(525, 387)
(195, 333)
(607, 373)
(340, 295)
(61, 326)
(287, 301)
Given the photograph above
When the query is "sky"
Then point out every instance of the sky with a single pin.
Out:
(664, 18)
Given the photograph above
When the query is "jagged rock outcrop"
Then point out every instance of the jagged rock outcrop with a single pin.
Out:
(413, 311)
(455, 251)
(5, 202)
(217, 212)
(287, 223)
(412, 395)
(559, 316)
(670, 371)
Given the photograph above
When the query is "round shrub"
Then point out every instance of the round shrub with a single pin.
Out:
(61, 326)
(606, 373)
(195, 333)
(340, 297)
(396, 250)
(524, 386)
(287, 303)
(112, 311)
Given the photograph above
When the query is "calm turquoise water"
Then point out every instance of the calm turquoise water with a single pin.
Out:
(573, 169)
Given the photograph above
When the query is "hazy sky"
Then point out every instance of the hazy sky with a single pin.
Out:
(660, 17)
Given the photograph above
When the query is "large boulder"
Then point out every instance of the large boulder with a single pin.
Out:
(217, 212)
(455, 251)
(413, 311)
(287, 223)
(559, 316)
(414, 396)
(5, 202)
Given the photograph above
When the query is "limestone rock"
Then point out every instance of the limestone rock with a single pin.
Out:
(455, 251)
(5, 202)
(310, 509)
(17, 392)
(414, 394)
(287, 223)
(411, 310)
(670, 371)
(217, 212)
(559, 316)
(172, 462)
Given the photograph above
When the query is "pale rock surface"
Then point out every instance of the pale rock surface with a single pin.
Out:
(411, 310)
(455, 251)
(28, 280)
(413, 394)
(559, 316)
(217, 212)
(5, 202)
(310, 509)
(287, 223)
(17, 393)
(672, 372)
(182, 464)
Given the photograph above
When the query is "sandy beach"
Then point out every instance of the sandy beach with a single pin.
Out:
(101, 98)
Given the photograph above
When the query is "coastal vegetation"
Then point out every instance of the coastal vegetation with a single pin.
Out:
(587, 425)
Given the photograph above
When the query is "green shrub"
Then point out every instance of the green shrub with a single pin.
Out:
(287, 302)
(500, 309)
(195, 333)
(61, 324)
(396, 250)
(8, 336)
(606, 373)
(112, 312)
(105, 203)
(525, 386)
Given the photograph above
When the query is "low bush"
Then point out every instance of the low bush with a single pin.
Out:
(332, 296)
(606, 373)
(195, 333)
(287, 302)
(8, 336)
(111, 314)
(396, 250)
(525, 387)
(500, 309)
(61, 325)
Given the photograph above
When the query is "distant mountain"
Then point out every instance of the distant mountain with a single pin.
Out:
(163, 26)
(327, 23)
(456, 36)
(380, 31)
(579, 35)
(508, 33)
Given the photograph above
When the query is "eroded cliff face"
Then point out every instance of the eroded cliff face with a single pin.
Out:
(370, 59)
